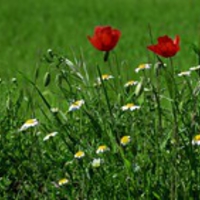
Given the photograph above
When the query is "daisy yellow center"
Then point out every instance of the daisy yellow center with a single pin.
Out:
(129, 105)
(130, 82)
(79, 154)
(63, 181)
(125, 140)
(102, 147)
(197, 138)
(105, 76)
(77, 103)
(30, 121)
(142, 66)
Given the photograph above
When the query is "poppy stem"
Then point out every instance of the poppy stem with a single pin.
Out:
(174, 96)
(105, 92)
(106, 55)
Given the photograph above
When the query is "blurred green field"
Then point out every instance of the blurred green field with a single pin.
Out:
(28, 29)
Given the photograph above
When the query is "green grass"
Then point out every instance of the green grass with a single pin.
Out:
(160, 161)
(29, 29)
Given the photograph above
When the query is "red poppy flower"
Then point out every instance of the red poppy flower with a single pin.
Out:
(105, 38)
(166, 47)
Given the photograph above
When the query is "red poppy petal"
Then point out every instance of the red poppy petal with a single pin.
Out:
(164, 39)
(97, 29)
(105, 38)
(177, 40)
(95, 42)
(154, 48)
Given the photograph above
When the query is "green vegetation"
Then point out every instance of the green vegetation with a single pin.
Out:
(156, 161)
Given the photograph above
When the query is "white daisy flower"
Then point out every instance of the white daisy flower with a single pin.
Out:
(131, 83)
(125, 140)
(195, 68)
(96, 162)
(29, 123)
(196, 140)
(79, 154)
(104, 77)
(76, 105)
(130, 106)
(63, 181)
(47, 137)
(102, 149)
(185, 73)
(142, 67)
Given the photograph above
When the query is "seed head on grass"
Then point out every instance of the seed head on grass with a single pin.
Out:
(130, 106)
(79, 155)
(102, 149)
(125, 140)
(29, 123)
(50, 135)
(142, 67)
(196, 140)
(76, 105)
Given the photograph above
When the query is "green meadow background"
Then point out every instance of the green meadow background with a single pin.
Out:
(28, 29)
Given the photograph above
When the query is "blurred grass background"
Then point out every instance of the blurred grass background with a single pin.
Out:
(28, 29)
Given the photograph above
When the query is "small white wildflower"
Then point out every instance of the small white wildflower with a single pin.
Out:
(185, 73)
(125, 140)
(104, 77)
(96, 162)
(130, 106)
(47, 137)
(196, 140)
(131, 83)
(102, 149)
(142, 67)
(195, 68)
(79, 154)
(76, 105)
(29, 123)
(63, 181)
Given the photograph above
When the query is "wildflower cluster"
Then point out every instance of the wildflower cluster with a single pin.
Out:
(136, 123)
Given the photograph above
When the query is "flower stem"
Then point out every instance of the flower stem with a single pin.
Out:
(106, 55)
(105, 92)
